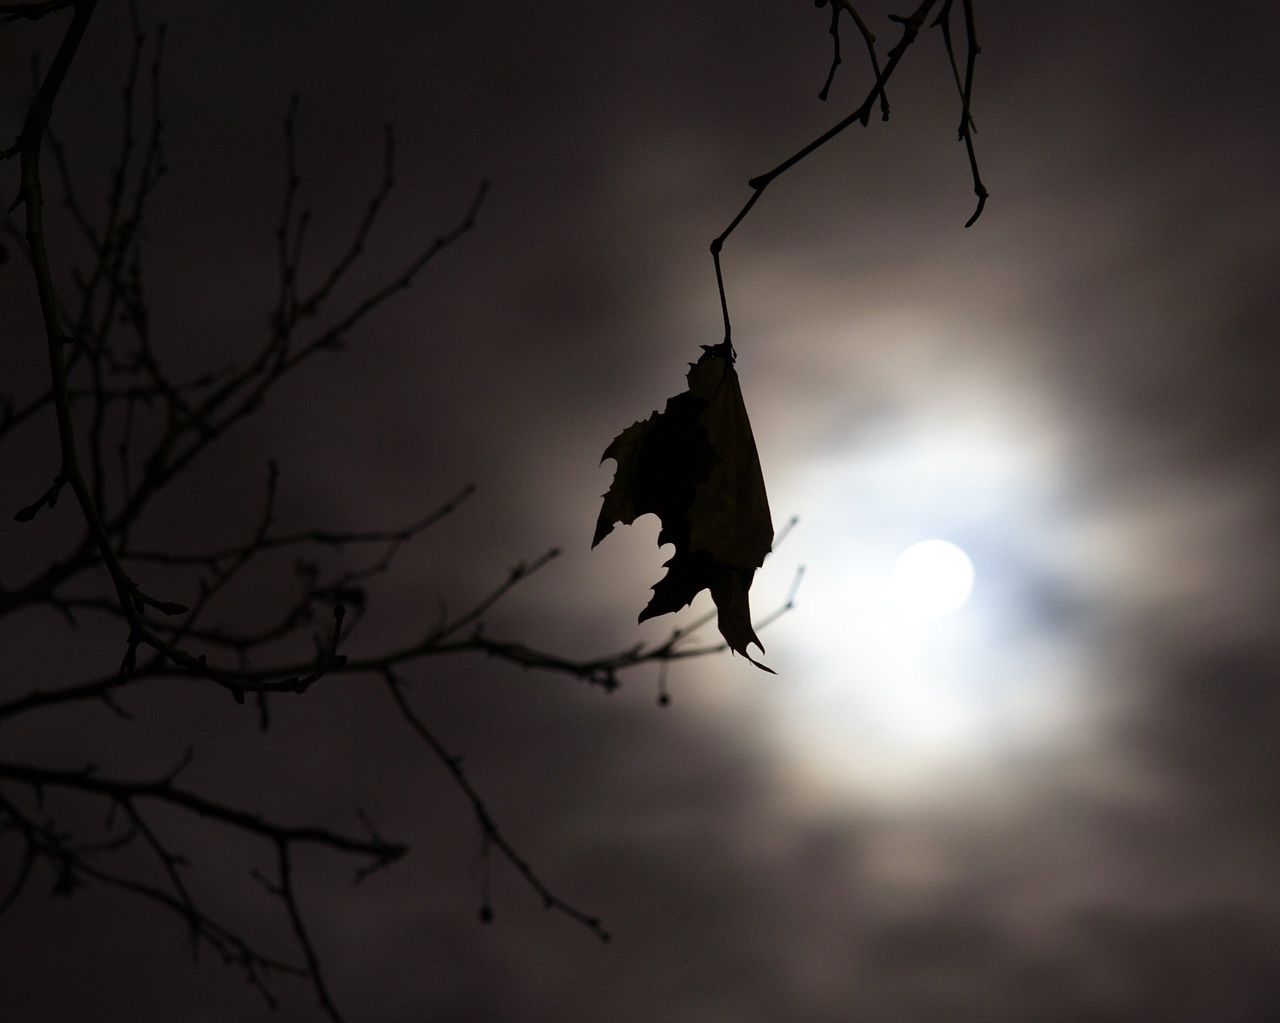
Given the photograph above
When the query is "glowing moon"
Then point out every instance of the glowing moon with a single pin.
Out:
(930, 579)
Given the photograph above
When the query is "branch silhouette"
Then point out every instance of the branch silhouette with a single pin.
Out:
(129, 425)
(910, 25)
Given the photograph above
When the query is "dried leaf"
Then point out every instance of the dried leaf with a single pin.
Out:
(695, 466)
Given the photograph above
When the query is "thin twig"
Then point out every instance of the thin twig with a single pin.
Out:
(911, 25)
(489, 829)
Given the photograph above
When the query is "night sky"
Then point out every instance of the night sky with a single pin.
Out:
(1062, 802)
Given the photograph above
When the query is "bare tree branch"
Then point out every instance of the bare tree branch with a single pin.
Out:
(489, 830)
(911, 25)
(132, 426)
(35, 10)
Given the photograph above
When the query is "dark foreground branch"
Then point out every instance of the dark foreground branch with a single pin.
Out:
(76, 863)
(911, 25)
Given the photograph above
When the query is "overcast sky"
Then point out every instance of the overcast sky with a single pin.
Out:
(1059, 803)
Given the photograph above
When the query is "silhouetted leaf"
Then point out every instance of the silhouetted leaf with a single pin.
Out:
(695, 466)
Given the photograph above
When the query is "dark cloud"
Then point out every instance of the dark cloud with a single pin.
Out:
(1079, 389)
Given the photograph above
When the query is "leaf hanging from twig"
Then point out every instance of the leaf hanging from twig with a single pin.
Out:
(695, 466)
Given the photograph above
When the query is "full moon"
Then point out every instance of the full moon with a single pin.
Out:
(931, 579)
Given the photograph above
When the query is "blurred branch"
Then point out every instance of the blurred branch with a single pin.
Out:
(489, 830)
(74, 863)
(133, 424)
(163, 790)
(35, 10)
(602, 671)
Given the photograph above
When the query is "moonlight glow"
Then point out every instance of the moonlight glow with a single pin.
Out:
(932, 578)
(894, 683)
